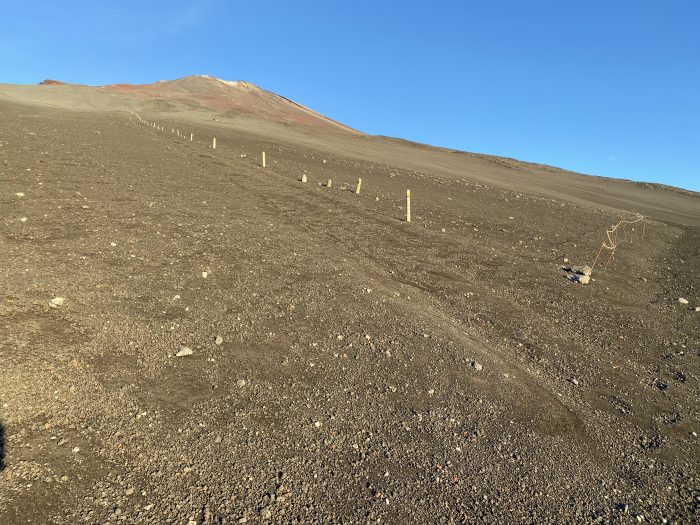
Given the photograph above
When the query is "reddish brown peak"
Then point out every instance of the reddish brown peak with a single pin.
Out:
(50, 82)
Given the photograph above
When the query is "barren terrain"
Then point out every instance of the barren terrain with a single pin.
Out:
(366, 369)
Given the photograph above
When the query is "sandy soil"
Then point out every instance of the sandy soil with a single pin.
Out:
(370, 370)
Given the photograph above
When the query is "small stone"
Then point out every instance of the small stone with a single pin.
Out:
(579, 278)
(23, 219)
(318, 424)
(75, 450)
(697, 308)
(204, 275)
(149, 506)
(266, 513)
(112, 244)
(219, 340)
(477, 366)
(85, 207)
(217, 439)
(580, 270)
(184, 351)
(240, 383)
(683, 300)
(56, 302)
(574, 381)
(64, 478)
(19, 194)
(130, 491)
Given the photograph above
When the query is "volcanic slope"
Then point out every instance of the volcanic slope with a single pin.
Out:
(366, 369)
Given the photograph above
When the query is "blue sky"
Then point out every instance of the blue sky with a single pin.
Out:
(609, 88)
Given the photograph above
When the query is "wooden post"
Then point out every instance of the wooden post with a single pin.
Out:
(191, 137)
(329, 184)
(263, 159)
(408, 205)
(303, 178)
(213, 143)
(359, 186)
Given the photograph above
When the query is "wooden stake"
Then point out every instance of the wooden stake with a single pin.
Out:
(263, 159)
(359, 186)
(213, 143)
(329, 184)
(191, 137)
(303, 178)
(408, 205)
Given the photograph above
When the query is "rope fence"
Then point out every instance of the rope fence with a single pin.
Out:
(613, 234)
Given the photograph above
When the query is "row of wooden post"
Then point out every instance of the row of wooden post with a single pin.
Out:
(329, 184)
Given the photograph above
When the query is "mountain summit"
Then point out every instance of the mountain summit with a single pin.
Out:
(226, 98)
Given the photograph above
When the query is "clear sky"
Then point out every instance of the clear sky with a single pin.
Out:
(606, 87)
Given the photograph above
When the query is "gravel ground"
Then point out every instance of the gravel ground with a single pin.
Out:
(366, 370)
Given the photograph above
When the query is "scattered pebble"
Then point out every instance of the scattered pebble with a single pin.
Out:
(683, 300)
(184, 351)
(219, 340)
(579, 278)
(19, 194)
(56, 302)
(579, 270)
(204, 275)
(241, 383)
(477, 366)
(318, 424)
(23, 219)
